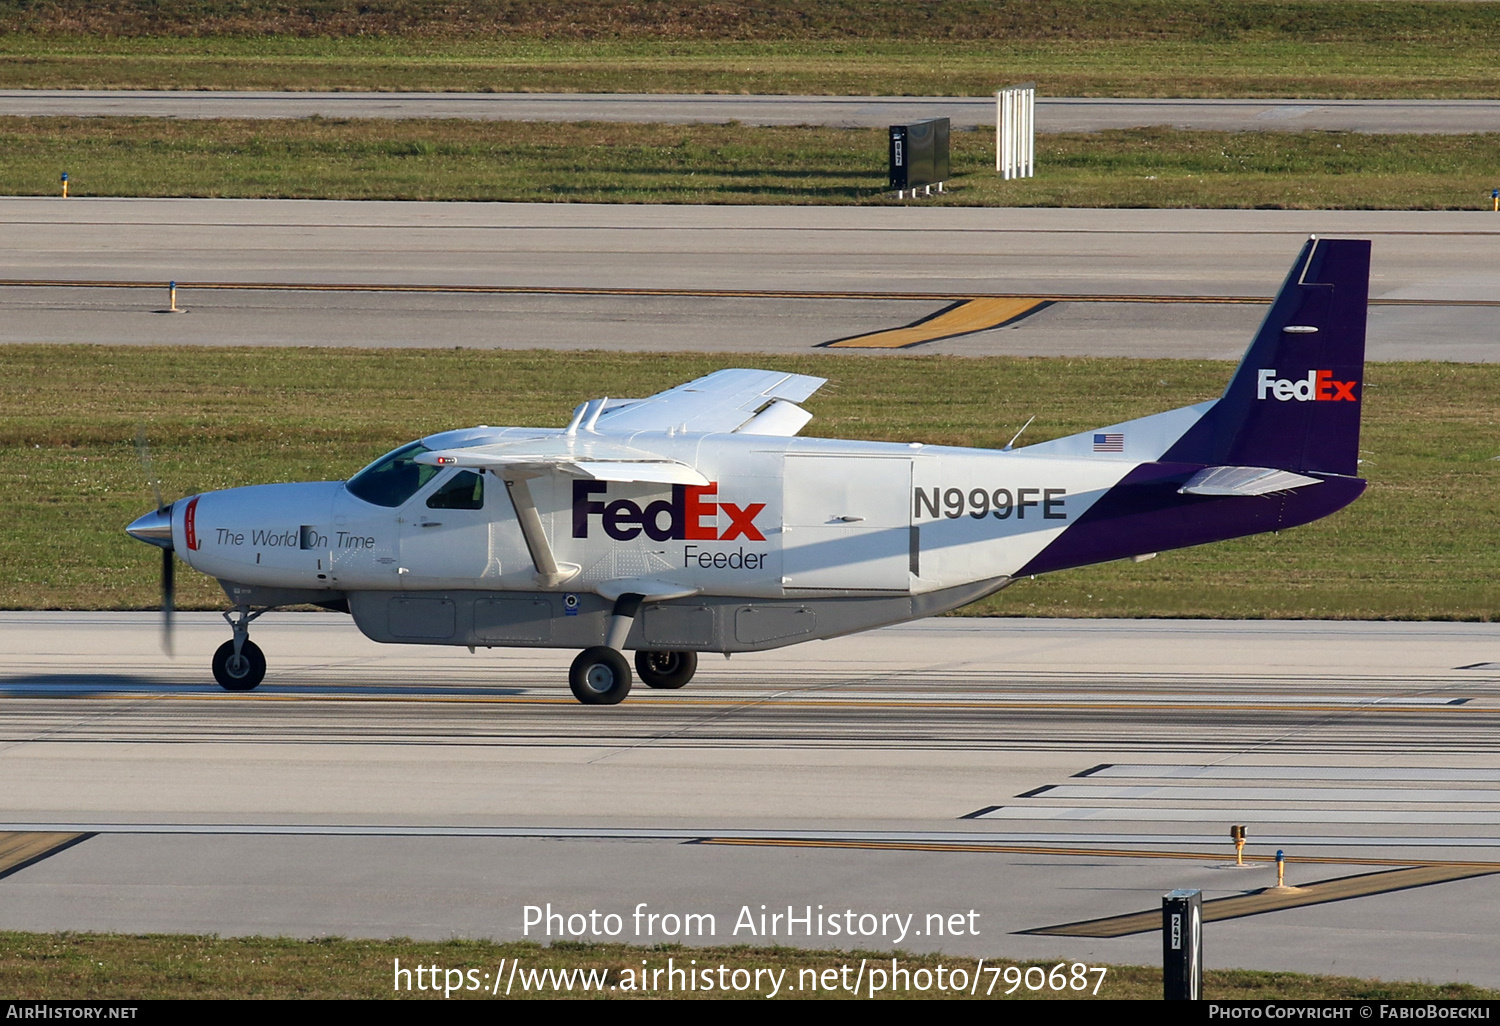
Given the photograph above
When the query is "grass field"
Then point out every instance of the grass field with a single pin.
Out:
(1301, 48)
(1417, 545)
(105, 966)
(468, 160)
(1415, 69)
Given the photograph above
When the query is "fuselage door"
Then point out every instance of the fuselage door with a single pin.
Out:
(847, 523)
(445, 533)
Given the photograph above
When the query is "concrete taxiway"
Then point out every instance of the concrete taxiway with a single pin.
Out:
(1184, 283)
(1053, 113)
(1041, 773)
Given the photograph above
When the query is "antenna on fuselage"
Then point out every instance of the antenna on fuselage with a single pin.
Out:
(1011, 444)
(599, 405)
(578, 413)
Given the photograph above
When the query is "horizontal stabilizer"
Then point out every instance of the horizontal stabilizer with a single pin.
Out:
(1244, 481)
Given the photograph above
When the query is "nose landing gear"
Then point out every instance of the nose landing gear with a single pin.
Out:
(239, 665)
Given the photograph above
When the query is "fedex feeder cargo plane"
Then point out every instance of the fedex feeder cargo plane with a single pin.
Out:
(697, 521)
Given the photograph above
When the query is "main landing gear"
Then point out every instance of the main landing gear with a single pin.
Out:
(601, 676)
(666, 670)
(239, 664)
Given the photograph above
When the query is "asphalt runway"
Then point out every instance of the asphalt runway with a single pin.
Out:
(1040, 773)
(1168, 283)
(1053, 113)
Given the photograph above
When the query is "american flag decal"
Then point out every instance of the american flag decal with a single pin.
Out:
(1109, 443)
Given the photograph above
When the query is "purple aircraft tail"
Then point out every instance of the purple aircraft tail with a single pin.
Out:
(1294, 403)
(1292, 406)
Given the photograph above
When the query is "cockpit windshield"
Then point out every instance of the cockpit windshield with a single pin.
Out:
(393, 478)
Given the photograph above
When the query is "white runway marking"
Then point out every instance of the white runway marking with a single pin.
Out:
(1145, 770)
(1240, 814)
(1273, 794)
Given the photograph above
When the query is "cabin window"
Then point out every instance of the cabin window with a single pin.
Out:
(464, 490)
(393, 478)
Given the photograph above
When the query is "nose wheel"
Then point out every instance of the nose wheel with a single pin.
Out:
(242, 670)
(239, 664)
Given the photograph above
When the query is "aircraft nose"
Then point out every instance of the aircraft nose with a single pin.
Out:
(155, 528)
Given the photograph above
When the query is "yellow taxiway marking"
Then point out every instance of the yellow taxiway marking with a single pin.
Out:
(563, 290)
(1274, 899)
(22, 848)
(962, 318)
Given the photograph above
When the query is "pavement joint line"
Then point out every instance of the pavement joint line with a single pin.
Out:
(1271, 899)
(1016, 849)
(983, 842)
(584, 290)
(765, 228)
(42, 691)
(873, 840)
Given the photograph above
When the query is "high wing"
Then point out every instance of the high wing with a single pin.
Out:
(750, 402)
(594, 458)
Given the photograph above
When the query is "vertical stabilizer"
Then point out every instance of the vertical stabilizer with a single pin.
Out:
(1294, 403)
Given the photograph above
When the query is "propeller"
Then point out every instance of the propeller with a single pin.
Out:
(168, 567)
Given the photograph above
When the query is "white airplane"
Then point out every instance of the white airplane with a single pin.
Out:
(697, 521)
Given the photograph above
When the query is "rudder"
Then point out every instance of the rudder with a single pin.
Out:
(1294, 402)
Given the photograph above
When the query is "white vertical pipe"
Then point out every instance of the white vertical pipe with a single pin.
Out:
(999, 129)
(1015, 132)
(1030, 134)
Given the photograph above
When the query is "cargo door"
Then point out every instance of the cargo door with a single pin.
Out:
(847, 523)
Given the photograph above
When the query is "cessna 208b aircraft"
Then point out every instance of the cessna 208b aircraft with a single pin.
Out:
(697, 521)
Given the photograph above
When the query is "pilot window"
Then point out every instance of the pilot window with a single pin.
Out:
(393, 478)
(464, 490)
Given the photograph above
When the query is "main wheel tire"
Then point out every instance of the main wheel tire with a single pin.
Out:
(242, 673)
(666, 670)
(599, 676)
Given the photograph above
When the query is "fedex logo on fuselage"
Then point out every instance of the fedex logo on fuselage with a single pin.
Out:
(681, 517)
(1318, 386)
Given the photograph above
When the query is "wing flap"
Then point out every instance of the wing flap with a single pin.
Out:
(725, 400)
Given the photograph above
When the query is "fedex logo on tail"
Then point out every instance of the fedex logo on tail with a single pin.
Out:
(680, 517)
(1318, 386)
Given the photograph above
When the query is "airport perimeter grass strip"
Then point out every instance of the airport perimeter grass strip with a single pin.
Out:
(683, 21)
(67, 966)
(1297, 48)
(1417, 545)
(603, 163)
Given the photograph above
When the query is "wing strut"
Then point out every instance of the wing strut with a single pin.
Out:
(549, 572)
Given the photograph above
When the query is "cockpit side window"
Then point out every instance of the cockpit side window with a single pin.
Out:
(464, 490)
(393, 478)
